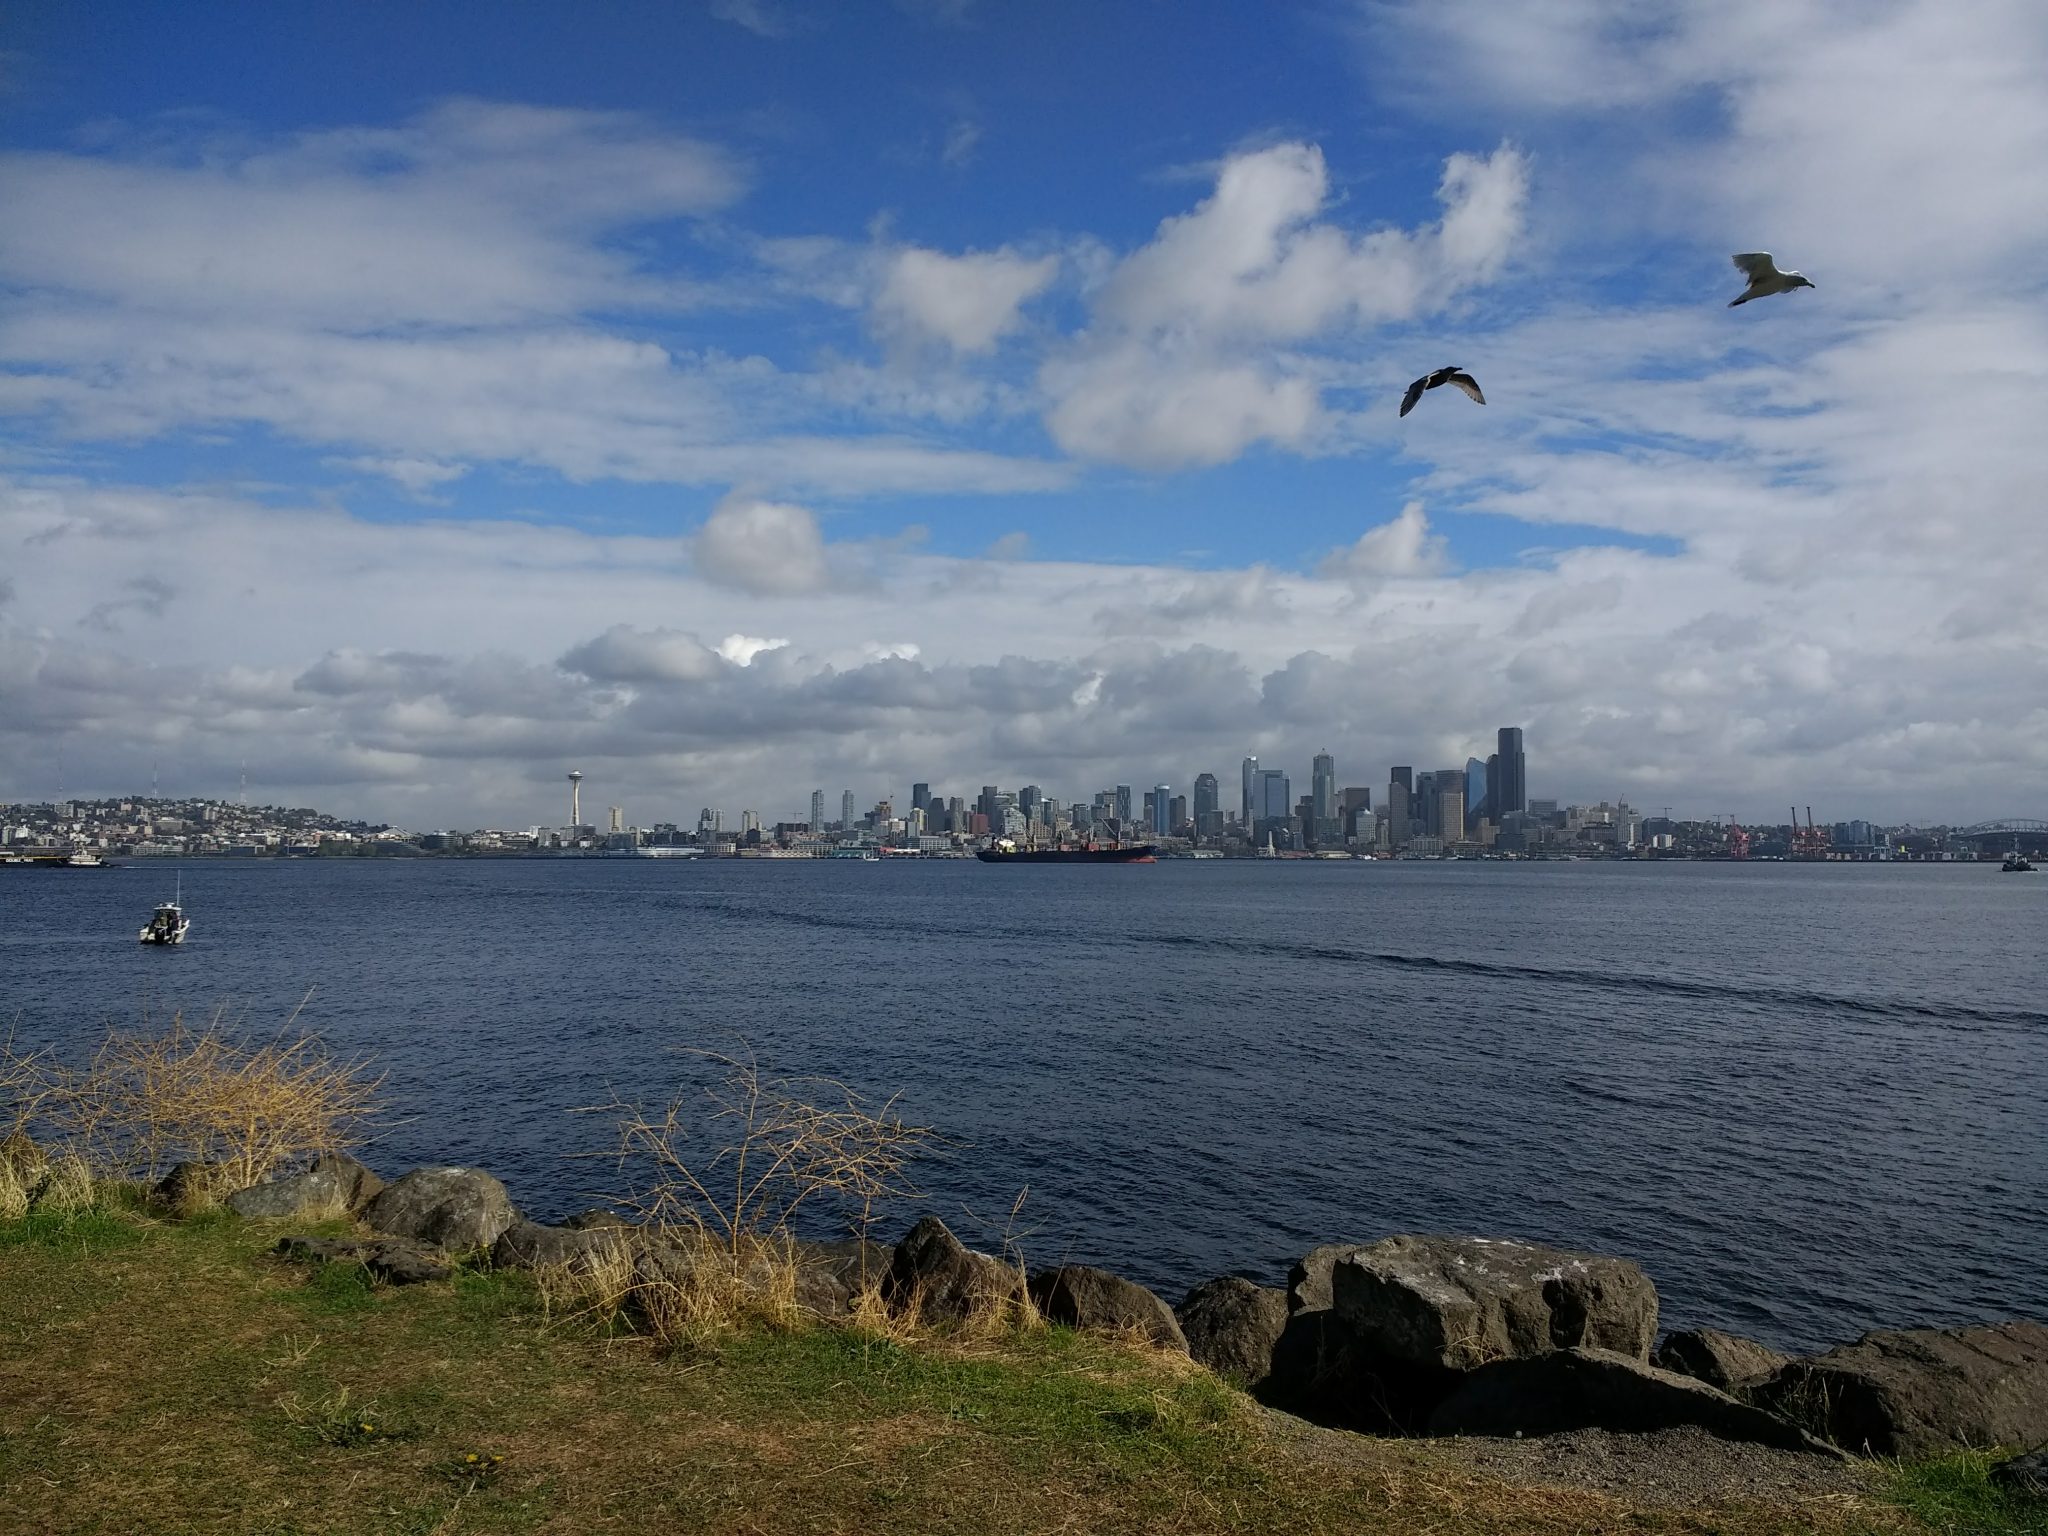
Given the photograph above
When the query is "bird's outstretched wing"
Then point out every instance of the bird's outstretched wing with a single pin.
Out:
(1414, 394)
(1467, 383)
(1756, 265)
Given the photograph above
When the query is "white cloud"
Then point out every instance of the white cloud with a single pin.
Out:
(1189, 358)
(966, 302)
(740, 650)
(962, 139)
(763, 547)
(419, 478)
(1403, 546)
(624, 654)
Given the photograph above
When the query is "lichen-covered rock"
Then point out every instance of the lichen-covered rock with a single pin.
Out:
(1308, 1281)
(944, 1279)
(1724, 1360)
(1078, 1296)
(1461, 1302)
(590, 1220)
(457, 1209)
(1922, 1391)
(831, 1275)
(1560, 1390)
(528, 1245)
(334, 1186)
(399, 1260)
(1231, 1326)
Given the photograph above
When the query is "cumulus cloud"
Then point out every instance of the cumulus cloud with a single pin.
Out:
(966, 302)
(763, 547)
(1190, 354)
(741, 650)
(1403, 546)
(624, 654)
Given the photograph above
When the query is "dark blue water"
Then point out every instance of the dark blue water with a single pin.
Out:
(1809, 1099)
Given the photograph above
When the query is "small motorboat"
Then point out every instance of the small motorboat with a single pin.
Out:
(168, 924)
(2016, 862)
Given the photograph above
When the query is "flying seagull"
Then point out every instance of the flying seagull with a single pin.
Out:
(1457, 376)
(1764, 277)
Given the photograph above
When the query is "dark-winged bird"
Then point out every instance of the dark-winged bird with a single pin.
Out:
(1457, 376)
(1764, 277)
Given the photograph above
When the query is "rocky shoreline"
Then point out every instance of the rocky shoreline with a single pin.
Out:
(1409, 1335)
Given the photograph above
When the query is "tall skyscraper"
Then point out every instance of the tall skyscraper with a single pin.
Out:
(1273, 797)
(920, 797)
(1029, 799)
(1450, 807)
(817, 812)
(1513, 776)
(1205, 798)
(1251, 772)
(1323, 786)
(987, 806)
(1123, 805)
(1398, 787)
(846, 810)
(1162, 808)
(1475, 791)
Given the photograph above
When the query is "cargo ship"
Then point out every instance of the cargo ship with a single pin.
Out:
(1121, 853)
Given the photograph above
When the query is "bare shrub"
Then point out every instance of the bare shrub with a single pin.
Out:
(67, 1188)
(25, 1083)
(241, 1107)
(718, 1244)
(13, 1192)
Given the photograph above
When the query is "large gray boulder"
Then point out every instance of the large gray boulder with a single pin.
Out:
(1231, 1326)
(831, 1275)
(1461, 1302)
(1308, 1281)
(529, 1245)
(1724, 1360)
(399, 1260)
(944, 1279)
(333, 1186)
(459, 1209)
(1922, 1391)
(1078, 1296)
(1567, 1389)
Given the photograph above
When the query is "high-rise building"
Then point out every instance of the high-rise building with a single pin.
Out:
(1475, 792)
(1205, 798)
(1422, 804)
(1513, 776)
(1123, 805)
(987, 806)
(817, 812)
(1272, 796)
(1177, 813)
(1162, 809)
(846, 810)
(920, 797)
(1450, 807)
(1398, 788)
(1029, 798)
(1323, 786)
(1251, 772)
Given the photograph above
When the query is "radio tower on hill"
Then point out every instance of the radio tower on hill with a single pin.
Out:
(575, 798)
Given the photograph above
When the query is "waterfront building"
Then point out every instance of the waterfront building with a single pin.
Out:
(1323, 787)
(817, 812)
(1251, 772)
(1177, 813)
(1205, 803)
(1162, 809)
(1123, 805)
(1512, 778)
(846, 810)
(1475, 792)
(1450, 801)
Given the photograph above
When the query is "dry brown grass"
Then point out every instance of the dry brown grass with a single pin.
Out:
(240, 1106)
(716, 1247)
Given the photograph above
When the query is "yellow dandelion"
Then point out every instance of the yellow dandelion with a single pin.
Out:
(470, 1457)
(369, 1429)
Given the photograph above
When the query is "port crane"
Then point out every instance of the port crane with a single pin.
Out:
(1808, 842)
(1738, 839)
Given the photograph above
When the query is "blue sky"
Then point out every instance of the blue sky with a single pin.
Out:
(1028, 375)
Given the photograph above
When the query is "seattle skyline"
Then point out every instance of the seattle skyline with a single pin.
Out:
(753, 397)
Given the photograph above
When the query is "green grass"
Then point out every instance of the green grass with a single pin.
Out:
(180, 1378)
(1955, 1494)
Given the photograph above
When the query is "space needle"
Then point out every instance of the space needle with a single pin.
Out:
(575, 798)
